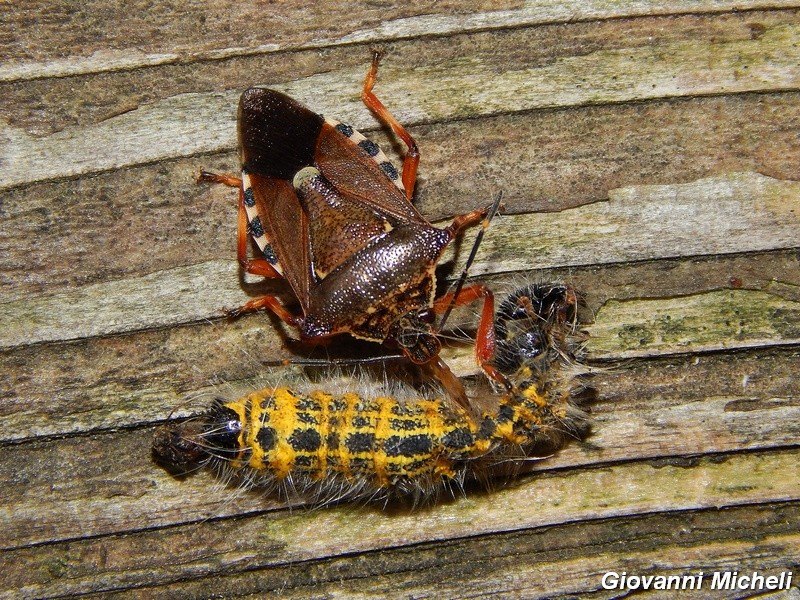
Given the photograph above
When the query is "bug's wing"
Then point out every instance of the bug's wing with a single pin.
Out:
(286, 227)
(349, 166)
(334, 217)
(278, 136)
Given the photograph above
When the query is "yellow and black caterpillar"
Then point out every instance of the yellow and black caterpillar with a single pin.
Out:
(339, 447)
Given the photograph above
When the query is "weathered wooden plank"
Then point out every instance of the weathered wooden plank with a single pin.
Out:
(678, 429)
(154, 218)
(653, 413)
(118, 381)
(716, 215)
(515, 574)
(282, 537)
(168, 297)
(735, 213)
(45, 106)
(512, 578)
(126, 39)
(710, 321)
(452, 88)
(556, 557)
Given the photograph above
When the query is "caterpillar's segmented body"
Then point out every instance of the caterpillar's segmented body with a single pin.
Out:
(333, 447)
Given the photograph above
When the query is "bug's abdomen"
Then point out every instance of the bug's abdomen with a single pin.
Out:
(380, 441)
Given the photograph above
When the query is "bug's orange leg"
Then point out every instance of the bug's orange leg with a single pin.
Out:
(229, 180)
(270, 303)
(467, 220)
(485, 340)
(411, 159)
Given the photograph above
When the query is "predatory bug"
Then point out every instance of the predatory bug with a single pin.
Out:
(333, 217)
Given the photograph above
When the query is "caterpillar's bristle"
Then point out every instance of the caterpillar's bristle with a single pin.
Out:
(325, 447)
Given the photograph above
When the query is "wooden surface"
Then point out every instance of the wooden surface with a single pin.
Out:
(648, 155)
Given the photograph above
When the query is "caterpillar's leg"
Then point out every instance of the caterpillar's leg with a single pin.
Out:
(411, 159)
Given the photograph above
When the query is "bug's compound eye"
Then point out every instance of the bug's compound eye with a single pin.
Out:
(427, 316)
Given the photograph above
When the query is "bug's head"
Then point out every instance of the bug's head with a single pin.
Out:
(415, 335)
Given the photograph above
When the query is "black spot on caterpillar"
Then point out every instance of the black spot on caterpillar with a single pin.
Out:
(327, 448)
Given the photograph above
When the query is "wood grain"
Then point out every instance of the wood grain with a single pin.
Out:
(648, 155)
(125, 39)
(678, 64)
(557, 562)
(739, 212)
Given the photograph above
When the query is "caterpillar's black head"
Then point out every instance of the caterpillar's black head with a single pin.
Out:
(531, 322)
(182, 447)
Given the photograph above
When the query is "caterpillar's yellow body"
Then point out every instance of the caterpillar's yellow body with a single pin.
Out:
(347, 446)
(320, 435)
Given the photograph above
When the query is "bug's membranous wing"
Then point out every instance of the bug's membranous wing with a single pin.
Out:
(277, 136)
(347, 159)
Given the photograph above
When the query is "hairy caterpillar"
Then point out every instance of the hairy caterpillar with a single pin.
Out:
(327, 447)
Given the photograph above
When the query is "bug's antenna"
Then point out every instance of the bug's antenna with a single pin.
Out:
(478, 238)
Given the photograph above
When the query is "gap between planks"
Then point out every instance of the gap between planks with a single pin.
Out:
(731, 213)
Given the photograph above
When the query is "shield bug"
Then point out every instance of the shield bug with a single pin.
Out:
(333, 217)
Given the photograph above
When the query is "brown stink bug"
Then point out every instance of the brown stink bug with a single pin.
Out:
(334, 218)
